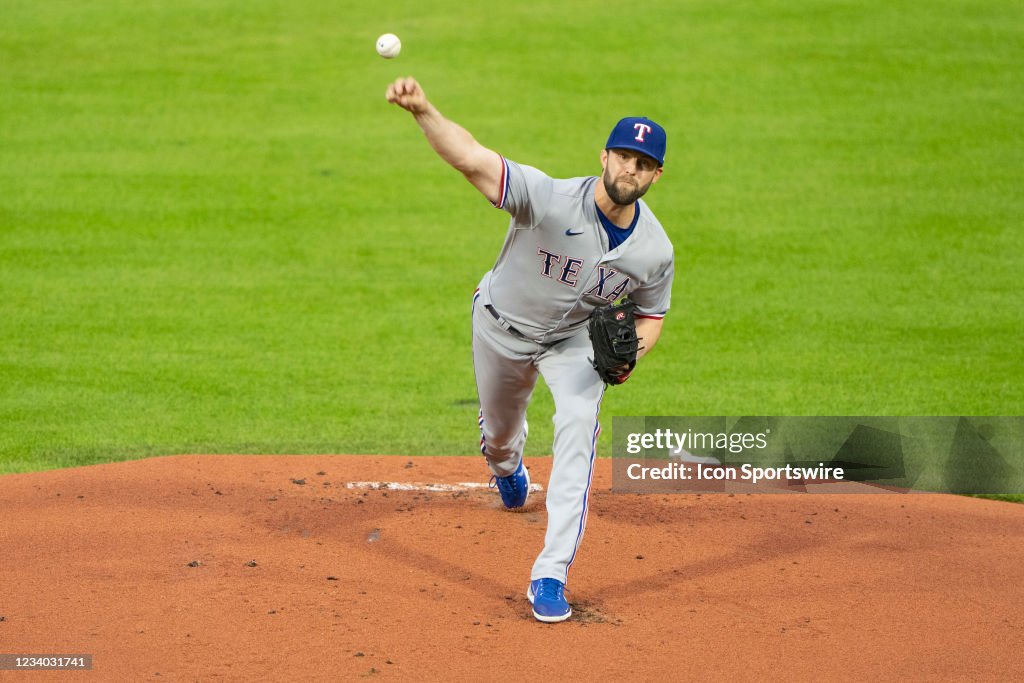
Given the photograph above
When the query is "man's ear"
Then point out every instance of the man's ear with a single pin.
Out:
(657, 174)
(604, 159)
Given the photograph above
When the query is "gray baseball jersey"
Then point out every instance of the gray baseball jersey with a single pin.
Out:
(555, 266)
(529, 318)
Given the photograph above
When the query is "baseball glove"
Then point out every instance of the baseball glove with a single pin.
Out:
(613, 335)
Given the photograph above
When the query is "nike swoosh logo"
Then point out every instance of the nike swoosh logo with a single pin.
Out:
(570, 233)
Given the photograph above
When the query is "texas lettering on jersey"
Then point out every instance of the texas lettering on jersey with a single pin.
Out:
(566, 269)
(556, 266)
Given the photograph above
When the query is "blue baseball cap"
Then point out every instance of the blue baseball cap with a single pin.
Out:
(641, 134)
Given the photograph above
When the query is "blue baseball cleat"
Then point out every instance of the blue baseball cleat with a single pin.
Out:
(515, 488)
(548, 599)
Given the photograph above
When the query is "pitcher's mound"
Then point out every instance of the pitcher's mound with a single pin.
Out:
(331, 567)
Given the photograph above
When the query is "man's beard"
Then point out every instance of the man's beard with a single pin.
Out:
(623, 197)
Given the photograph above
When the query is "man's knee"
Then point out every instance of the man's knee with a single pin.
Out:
(581, 412)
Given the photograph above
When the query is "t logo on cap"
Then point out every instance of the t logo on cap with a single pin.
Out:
(639, 134)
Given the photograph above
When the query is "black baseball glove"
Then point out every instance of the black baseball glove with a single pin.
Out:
(613, 335)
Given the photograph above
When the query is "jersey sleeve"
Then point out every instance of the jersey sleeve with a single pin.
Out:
(654, 298)
(525, 193)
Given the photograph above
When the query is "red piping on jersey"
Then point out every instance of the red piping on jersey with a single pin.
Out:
(503, 187)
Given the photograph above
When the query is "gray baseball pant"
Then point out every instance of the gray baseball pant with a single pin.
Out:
(506, 368)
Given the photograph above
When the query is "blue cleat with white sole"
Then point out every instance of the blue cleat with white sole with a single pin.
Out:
(515, 488)
(548, 599)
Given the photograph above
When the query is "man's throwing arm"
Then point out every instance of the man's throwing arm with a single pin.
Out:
(482, 167)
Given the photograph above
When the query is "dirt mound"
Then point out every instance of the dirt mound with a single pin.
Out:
(254, 567)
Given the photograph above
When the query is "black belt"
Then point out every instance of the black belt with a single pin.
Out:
(505, 325)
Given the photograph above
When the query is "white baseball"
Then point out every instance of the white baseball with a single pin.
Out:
(388, 46)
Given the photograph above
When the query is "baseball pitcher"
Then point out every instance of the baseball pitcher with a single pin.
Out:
(573, 249)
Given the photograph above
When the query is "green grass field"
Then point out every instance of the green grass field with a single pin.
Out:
(216, 236)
